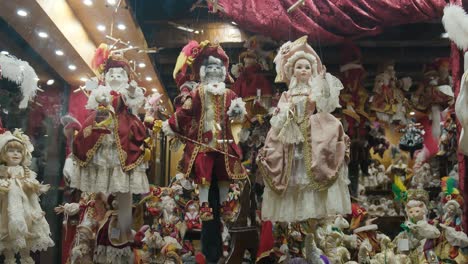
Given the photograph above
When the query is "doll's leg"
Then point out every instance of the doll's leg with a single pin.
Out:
(26, 257)
(204, 163)
(9, 257)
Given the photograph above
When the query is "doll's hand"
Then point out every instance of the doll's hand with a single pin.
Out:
(59, 209)
(43, 188)
(131, 88)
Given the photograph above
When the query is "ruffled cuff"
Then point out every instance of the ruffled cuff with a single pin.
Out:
(167, 130)
(136, 100)
(237, 110)
(326, 93)
(280, 115)
(71, 208)
(100, 95)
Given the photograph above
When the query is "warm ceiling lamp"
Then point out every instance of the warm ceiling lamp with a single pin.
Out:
(88, 2)
(59, 52)
(21, 12)
(101, 27)
(50, 82)
(42, 34)
(148, 78)
(154, 90)
(111, 2)
(72, 67)
(121, 26)
(83, 79)
(141, 65)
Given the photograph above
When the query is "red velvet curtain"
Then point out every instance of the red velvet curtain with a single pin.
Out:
(328, 21)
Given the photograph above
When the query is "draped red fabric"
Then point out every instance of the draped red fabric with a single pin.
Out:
(328, 21)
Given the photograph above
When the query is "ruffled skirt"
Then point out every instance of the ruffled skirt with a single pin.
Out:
(104, 173)
(300, 203)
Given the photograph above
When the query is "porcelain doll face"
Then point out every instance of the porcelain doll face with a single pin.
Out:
(302, 70)
(13, 153)
(116, 78)
(14, 156)
(416, 213)
(212, 71)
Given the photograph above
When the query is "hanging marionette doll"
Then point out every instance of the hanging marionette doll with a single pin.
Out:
(23, 227)
(389, 102)
(304, 160)
(412, 138)
(213, 107)
(109, 148)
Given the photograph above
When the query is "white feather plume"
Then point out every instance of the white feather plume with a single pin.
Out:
(21, 73)
(455, 21)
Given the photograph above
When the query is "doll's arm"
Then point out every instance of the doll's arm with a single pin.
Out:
(280, 114)
(135, 97)
(180, 118)
(68, 209)
(4, 186)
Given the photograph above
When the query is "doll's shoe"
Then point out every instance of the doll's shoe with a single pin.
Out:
(206, 212)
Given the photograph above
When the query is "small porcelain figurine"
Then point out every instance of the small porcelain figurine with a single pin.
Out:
(192, 216)
(23, 227)
(422, 176)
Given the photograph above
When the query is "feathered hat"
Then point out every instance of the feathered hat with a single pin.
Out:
(455, 21)
(289, 53)
(104, 59)
(191, 58)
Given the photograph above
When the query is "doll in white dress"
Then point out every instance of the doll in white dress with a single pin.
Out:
(23, 227)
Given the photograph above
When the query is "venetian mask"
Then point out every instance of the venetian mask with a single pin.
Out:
(116, 78)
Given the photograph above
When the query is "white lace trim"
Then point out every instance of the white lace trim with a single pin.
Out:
(112, 255)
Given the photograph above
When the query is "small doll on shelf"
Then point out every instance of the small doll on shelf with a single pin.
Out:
(23, 227)
(399, 167)
(192, 216)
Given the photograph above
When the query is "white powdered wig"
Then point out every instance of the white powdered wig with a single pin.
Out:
(21, 73)
(289, 66)
(455, 21)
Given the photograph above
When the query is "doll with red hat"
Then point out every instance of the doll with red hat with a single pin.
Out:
(109, 148)
(211, 109)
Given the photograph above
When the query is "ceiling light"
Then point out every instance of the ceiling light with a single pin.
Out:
(50, 82)
(111, 2)
(101, 27)
(412, 113)
(59, 52)
(83, 79)
(185, 29)
(4, 52)
(121, 26)
(154, 90)
(72, 67)
(141, 65)
(196, 32)
(88, 2)
(149, 79)
(234, 23)
(444, 35)
(21, 12)
(42, 34)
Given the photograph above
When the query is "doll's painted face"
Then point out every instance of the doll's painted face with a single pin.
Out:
(14, 156)
(302, 70)
(416, 213)
(116, 78)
